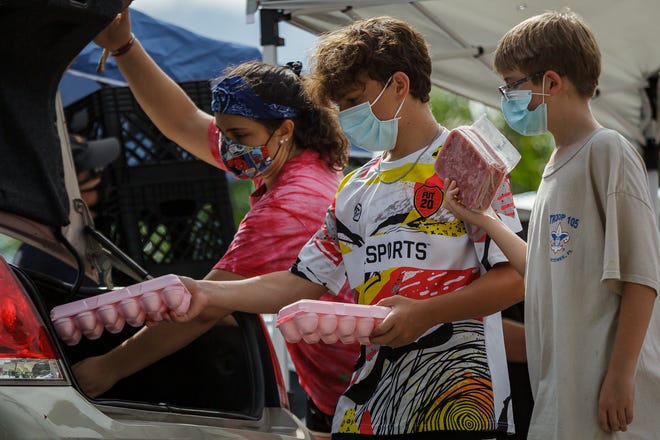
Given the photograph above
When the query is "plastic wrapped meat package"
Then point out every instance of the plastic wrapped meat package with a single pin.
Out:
(313, 321)
(477, 157)
(110, 311)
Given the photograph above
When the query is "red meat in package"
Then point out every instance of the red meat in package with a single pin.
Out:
(477, 166)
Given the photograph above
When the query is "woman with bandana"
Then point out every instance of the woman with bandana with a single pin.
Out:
(264, 128)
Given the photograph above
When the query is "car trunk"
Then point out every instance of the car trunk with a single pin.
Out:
(228, 373)
(38, 191)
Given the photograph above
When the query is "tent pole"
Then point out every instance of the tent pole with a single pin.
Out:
(270, 40)
(270, 33)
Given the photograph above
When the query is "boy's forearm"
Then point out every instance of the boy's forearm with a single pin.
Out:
(634, 316)
(265, 294)
(262, 294)
(508, 241)
(501, 287)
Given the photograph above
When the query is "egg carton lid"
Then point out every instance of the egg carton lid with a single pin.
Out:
(331, 308)
(135, 290)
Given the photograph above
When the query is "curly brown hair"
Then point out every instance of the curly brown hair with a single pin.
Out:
(316, 128)
(375, 47)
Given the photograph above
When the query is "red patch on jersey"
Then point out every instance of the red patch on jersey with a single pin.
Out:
(365, 423)
(416, 284)
(428, 199)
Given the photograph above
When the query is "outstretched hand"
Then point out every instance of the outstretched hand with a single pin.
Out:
(198, 302)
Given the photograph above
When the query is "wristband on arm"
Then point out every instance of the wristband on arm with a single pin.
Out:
(100, 67)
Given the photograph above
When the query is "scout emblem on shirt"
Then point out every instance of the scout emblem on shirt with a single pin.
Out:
(563, 228)
(558, 238)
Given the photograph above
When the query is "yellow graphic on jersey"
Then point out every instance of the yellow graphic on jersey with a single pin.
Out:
(348, 423)
(467, 406)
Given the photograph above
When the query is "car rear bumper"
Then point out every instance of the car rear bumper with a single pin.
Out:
(47, 412)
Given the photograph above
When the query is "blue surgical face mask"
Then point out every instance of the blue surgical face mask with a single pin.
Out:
(365, 130)
(519, 118)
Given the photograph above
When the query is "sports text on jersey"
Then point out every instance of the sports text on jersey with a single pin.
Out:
(396, 250)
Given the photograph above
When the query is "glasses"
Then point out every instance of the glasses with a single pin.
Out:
(506, 88)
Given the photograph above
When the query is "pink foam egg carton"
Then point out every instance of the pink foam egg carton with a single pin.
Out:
(110, 311)
(313, 321)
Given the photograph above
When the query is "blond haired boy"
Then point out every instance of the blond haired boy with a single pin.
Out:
(593, 256)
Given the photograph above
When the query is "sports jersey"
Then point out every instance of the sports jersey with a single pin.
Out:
(281, 219)
(388, 234)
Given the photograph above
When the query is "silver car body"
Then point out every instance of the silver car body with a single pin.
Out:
(39, 396)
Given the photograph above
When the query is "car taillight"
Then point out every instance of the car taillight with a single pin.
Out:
(26, 350)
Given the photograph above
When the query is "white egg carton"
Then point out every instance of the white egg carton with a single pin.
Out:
(110, 311)
(313, 321)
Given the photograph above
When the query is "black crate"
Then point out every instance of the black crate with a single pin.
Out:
(113, 111)
(171, 218)
(164, 207)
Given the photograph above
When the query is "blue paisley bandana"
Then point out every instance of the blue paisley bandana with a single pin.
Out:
(233, 96)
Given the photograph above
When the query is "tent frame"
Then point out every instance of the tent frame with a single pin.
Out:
(335, 13)
(294, 12)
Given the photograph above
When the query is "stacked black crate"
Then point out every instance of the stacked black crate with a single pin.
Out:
(167, 209)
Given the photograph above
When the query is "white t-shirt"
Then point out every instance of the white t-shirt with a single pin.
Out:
(592, 227)
(396, 239)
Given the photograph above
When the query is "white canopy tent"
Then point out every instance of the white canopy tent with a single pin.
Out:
(463, 33)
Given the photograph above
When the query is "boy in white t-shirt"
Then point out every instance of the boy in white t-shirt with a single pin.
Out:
(592, 261)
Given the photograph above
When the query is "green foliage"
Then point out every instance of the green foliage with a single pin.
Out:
(8, 247)
(535, 151)
(239, 193)
(449, 109)
(452, 110)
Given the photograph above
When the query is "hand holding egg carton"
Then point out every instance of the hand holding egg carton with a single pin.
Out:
(313, 321)
(134, 305)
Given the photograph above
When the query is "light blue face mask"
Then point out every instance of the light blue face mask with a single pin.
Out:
(365, 130)
(519, 118)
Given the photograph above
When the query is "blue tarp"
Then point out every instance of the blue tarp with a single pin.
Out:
(182, 54)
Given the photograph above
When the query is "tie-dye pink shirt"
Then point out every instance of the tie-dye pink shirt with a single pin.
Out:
(280, 221)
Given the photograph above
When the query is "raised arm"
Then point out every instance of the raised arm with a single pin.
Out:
(511, 244)
(166, 104)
